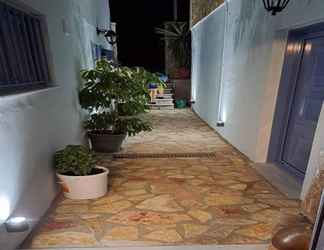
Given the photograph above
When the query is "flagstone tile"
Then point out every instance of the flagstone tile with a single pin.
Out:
(221, 232)
(108, 199)
(238, 187)
(140, 198)
(269, 215)
(164, 187)
(200, 215)
(64, 239)
(135, 192)
(255, 207)
(259, 231)
(54, 225)
(168, 236)
(193, 230)
(151, 228)
(162, 203)
(148, 218)
(234, 221)
(121, 233)
(226, 200)
(95, 224)
(281, 203)
(72, 209)
(111, 208)
(192, 204)
(237, 239)
(134, 185)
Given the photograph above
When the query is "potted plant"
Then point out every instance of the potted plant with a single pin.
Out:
(117, 98)
(78, 174)
(176, 36)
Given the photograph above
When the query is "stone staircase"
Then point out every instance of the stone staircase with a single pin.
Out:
(165, 101)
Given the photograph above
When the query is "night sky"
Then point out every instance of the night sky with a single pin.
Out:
(138, 45)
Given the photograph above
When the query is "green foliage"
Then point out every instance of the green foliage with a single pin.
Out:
(74, 160)
(116, 97)
(177, 37)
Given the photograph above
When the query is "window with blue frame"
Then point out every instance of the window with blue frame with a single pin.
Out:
(23, 59)
(98, 52)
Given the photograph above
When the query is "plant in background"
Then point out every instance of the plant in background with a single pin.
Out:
(177, 37)
(74, 160)
(117, 98)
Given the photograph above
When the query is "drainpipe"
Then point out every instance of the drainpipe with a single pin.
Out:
(221, 119)
(175, 10)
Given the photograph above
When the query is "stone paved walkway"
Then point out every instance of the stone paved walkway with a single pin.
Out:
(173, 201)
(177, 131)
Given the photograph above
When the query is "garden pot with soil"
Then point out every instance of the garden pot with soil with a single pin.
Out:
(78, 173)
(117, 99)
(91, 186)
(106, 141)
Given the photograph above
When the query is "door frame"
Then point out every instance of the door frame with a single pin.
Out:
(286, 94)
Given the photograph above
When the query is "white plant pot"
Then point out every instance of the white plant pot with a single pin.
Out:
(85, 187)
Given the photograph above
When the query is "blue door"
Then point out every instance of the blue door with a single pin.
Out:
(306, 104)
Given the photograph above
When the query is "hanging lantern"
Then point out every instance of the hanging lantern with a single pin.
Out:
(275, 6)
(110, 35)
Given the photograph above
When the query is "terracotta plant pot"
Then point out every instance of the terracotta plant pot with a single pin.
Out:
(106, 142)
(85, 187)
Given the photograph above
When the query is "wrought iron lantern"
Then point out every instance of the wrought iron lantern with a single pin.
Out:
(275, 6)
(110, 35)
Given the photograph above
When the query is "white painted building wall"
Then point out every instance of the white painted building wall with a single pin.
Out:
(253, 58)
(207, 67)
(34, 125)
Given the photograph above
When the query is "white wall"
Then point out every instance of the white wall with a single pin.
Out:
(34, 125)
(253, 58)
(208, 41)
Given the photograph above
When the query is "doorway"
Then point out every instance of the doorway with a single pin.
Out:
(300, 99)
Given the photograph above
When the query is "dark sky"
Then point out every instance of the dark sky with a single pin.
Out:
(138, 45)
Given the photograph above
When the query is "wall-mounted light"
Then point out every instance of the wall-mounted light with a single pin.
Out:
(275, 6)
(220, 124)
(16, 225)
(110, 35)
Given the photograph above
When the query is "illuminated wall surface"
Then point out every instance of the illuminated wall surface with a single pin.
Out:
(34, 125)
(253, 53)
(207, 49)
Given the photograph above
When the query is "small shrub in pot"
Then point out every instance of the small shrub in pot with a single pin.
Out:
(78, 173)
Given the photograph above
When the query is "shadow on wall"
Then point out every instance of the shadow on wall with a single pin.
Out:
(249, 23)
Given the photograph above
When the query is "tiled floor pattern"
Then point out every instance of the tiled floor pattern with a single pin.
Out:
(181, 201)
(175, 131)
(173, 201)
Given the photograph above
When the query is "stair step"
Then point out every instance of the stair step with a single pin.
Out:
(163, 100)
(168, 91)
(166, 96)
(161, 106)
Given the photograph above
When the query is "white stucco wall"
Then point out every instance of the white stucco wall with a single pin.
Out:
(34, 125)
(207, 65)
(253, 58)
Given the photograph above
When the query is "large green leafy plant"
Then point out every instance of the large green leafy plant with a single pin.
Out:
(74, 160)
(117, 98)
(177, 37)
